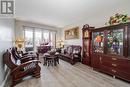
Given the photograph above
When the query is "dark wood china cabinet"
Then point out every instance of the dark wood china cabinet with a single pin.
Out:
(111, 50)
(87, 31)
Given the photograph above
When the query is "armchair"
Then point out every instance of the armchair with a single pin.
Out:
(23, 56)
(20, 70)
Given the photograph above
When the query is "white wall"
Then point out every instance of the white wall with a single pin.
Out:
(6, 37)
(19, 31)
(97, 19)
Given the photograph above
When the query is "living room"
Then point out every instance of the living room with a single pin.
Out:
(72, 43)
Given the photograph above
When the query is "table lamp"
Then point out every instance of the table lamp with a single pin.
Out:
(60, 43)
(19, 42)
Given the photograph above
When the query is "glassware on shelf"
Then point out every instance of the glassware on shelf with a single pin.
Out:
(98, 42)
(115, 42)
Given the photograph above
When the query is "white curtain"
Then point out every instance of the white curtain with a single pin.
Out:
(36, 36)
(29, 40)
(53, 39)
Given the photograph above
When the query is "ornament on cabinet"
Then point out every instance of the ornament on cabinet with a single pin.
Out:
(98, 38)
(118, 18)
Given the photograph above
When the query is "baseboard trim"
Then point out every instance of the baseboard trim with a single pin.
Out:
(5, 80)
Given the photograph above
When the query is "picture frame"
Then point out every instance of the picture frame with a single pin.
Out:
(72, 33)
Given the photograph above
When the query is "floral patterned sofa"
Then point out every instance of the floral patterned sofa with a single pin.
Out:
(71, 54)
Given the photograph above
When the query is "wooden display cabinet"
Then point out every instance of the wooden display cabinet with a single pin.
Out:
(111, 50)
(86, 31)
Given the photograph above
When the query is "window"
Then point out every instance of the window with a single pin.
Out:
(29, 45)
(38, 37)
(35, 36)
(53, 39)
(46, 38)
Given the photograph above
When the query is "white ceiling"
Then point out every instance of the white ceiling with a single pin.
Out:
(63, 12)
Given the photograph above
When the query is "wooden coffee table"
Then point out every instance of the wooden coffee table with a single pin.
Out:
(51, 60)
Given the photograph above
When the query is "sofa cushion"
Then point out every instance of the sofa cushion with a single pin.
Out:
(70, 50)
(77, 49)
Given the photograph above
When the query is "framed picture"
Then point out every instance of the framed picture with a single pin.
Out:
(72, 33)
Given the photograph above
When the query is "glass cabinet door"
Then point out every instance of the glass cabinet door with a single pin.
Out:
(86, 34)
(98, 42)
(86, 47)
(115, 42)
(128, 28)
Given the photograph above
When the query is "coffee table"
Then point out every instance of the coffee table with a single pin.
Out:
(51, 60)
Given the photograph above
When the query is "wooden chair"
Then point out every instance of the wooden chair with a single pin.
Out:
(24, 56)
(20, 70)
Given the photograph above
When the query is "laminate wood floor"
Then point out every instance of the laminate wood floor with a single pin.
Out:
(67, 75)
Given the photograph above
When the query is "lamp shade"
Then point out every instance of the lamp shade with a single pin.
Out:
(19, 40)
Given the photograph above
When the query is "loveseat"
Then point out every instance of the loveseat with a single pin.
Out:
(71, 54)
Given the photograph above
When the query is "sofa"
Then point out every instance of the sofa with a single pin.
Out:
(43, 49)
(71, 54)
